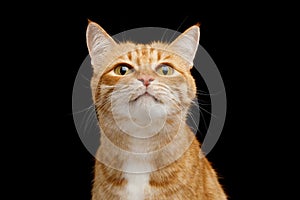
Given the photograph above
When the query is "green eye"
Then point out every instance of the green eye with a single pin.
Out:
(123, 69)
(165, 70)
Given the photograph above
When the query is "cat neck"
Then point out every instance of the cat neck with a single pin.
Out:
(141, 139)
(119, 150)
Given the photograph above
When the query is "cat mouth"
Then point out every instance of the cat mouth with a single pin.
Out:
(147, 95)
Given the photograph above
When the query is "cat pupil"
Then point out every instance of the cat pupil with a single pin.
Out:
(165, 70)
(123, 70)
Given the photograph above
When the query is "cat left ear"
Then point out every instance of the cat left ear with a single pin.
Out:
(98, 42)
(186, 44)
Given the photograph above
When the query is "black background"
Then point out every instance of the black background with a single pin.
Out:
(55, 160)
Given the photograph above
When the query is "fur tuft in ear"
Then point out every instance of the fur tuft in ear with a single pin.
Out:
(186, 44)
(98, 42)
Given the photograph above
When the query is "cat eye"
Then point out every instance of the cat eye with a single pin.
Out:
(165, 70)
(123, 69)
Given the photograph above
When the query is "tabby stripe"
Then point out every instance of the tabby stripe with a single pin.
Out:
(112, 176)
(158, 55)
(129, 55)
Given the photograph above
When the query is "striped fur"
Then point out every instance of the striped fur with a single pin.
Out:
(147, 151)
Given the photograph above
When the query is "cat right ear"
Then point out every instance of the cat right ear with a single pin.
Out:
(186, 44)
(98, 42)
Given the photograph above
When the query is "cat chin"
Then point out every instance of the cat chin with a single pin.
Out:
(141, 118)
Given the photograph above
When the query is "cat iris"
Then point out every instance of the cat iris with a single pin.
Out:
(162, 69)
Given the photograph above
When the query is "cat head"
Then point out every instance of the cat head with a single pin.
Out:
(143, 81)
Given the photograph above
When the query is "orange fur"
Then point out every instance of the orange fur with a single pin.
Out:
(190, 175)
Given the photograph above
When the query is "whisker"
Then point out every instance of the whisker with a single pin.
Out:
(178, 105)
(162, 37)
(204, 121)
(178, 29)
(101, 104)
(85, 78)
(198, 105)
(193, 120)
(87, 81)
(87, 118)
(83, 110)
(203, 93)
(200, 101)
(117, 40)
(204, 104)
(91, 119)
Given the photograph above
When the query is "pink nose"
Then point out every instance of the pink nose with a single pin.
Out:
(145, 79)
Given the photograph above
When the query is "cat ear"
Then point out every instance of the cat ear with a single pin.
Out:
(186, 44)
(98, 42)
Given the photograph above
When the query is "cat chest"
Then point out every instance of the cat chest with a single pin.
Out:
(137, 185)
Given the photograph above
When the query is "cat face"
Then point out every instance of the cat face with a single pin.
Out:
(141, 85)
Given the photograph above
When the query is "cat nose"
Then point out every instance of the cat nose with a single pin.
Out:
(146, 79)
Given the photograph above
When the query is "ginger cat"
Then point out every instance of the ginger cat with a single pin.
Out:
(142, 93)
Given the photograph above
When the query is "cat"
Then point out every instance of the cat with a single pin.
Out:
(142, 94)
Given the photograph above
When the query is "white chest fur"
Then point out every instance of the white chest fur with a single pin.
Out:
(136, 185)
